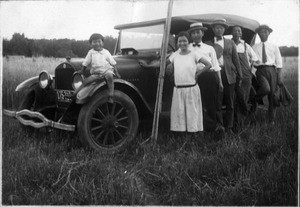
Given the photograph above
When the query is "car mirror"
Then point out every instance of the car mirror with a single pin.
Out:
(119, 52)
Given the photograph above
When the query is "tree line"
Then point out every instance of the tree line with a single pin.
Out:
(288, 51)
(20, 45)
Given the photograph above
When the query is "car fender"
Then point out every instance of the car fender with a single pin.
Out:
(27, 83)
(43, 98)
(88, 91)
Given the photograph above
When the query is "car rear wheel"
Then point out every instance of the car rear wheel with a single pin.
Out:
(108, 127)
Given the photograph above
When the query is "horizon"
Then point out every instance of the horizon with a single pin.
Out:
(291, 46)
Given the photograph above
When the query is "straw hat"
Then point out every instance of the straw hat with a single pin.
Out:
(195, 26)
(220, 21)
(263, 26)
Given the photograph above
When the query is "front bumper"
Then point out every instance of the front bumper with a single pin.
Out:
(44, 122)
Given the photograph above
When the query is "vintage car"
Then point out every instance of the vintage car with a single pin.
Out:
(104, 126)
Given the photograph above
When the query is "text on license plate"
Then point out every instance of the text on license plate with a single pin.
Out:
(64, 96)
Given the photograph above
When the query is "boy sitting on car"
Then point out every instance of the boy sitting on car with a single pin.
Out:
(102, 64)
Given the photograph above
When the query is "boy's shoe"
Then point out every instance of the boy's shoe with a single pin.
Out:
(110, 99)
(73, 97)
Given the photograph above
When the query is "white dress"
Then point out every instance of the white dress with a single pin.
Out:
(186, 109)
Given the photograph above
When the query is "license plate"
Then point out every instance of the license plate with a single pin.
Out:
(64, 96)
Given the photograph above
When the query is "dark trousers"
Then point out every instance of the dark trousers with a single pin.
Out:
(267, 81)
(227, 96)
(209, 87)
(241, 109)
(242, 95)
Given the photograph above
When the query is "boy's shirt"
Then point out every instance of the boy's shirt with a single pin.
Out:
(100, 61)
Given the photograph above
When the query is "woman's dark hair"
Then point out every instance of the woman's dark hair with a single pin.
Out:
(96, 36)
(184, 34)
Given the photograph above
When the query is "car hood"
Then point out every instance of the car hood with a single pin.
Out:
(122, 62)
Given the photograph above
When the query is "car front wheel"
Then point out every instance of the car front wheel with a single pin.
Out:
(108, 127)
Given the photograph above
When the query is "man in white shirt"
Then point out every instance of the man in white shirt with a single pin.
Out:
(210, 82)
(269, 67)
(247, 57)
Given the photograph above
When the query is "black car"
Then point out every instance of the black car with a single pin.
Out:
(104, 126)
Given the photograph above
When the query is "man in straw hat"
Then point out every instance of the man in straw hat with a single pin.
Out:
(269, 66)
(210, 82)
(231, 73)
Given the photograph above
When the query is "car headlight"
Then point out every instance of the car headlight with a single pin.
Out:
(77, 80)
(45, 80)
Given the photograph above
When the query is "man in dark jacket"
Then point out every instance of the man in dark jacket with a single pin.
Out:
(231, 72)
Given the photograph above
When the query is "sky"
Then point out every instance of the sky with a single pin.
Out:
(79, 19)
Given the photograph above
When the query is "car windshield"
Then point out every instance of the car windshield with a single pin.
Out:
(142, 38)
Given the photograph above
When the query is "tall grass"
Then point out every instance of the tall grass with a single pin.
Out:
(258, 166)
(17, 70)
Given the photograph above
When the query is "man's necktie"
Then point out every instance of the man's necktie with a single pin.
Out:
(218, 38)
(196, 45)
(264, 55)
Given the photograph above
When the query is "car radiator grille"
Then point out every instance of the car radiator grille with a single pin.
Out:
(63, 81)
(63, 78)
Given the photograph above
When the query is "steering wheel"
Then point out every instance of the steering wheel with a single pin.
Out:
(129, 51)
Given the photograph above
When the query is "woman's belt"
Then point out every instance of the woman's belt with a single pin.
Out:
(185, 86)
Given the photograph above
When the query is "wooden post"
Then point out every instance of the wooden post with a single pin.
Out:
(161, 76)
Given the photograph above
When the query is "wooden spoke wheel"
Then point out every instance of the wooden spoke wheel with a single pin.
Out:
(105, 126)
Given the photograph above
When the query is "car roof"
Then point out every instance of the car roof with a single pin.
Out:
(180, 23)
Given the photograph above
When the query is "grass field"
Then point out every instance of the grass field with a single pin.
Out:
(258, 166)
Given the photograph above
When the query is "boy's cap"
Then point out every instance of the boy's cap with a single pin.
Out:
(96, 36)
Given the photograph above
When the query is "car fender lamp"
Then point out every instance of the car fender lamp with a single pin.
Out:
(45, 80)
(77, 80)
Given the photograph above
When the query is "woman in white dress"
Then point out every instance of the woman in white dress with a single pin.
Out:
(186, 109)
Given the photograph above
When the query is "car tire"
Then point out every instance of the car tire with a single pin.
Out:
(108, 127)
